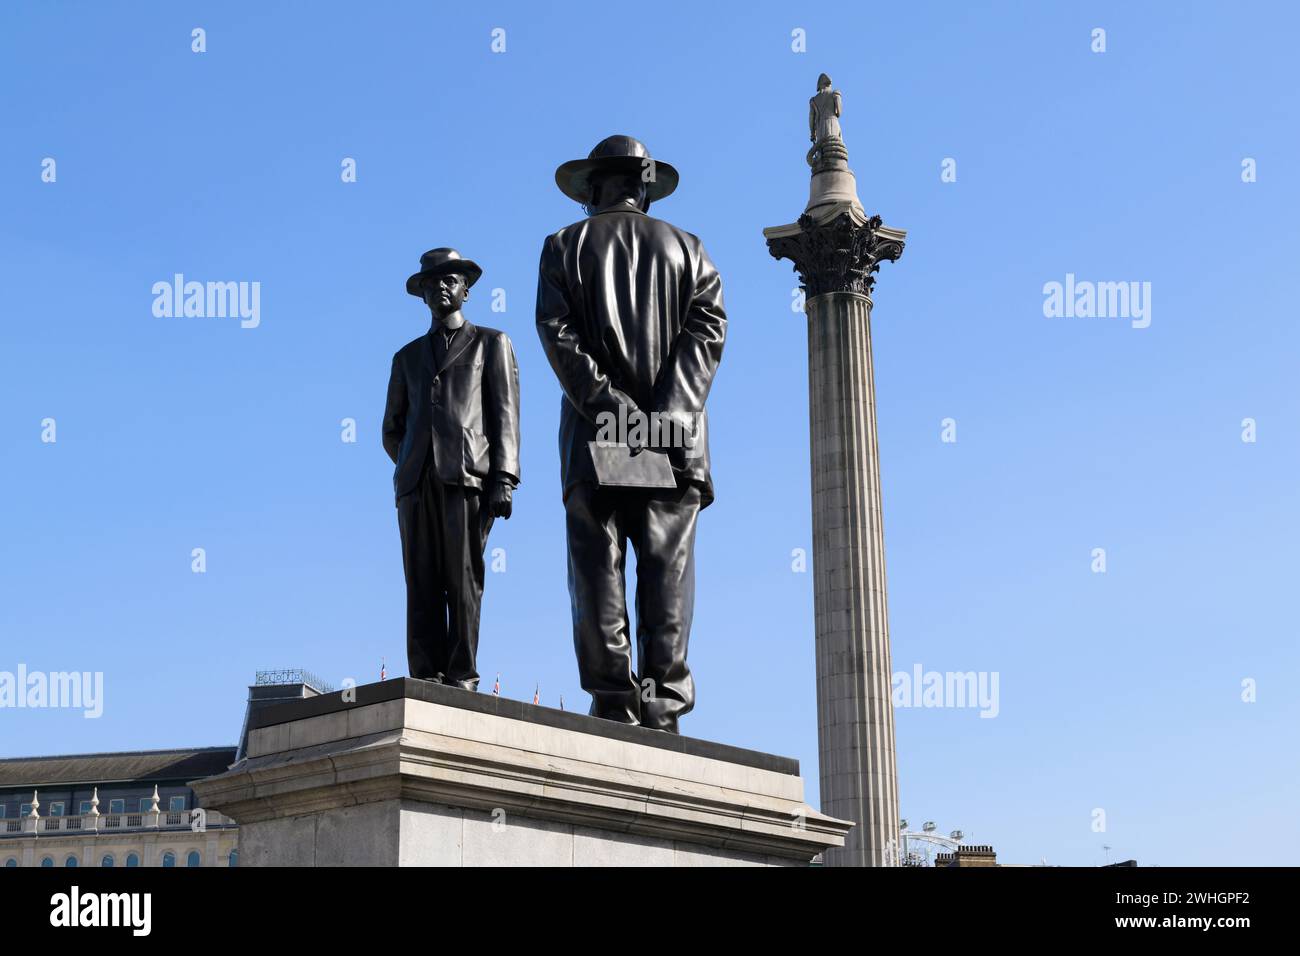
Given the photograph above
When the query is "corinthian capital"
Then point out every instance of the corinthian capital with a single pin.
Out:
(837, 249)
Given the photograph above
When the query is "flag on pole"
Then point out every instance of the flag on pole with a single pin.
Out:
(536, 694)
(496, 688)
(383, 670)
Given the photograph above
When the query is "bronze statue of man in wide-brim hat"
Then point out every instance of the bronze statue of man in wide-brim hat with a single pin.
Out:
(629, 311)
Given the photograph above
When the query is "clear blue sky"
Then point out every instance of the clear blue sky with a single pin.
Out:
(1119, 690)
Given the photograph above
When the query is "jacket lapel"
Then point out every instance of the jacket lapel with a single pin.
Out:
(459, 345)
(427, 354)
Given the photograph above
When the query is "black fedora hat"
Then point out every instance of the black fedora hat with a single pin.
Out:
(615, 152)
(440, 262)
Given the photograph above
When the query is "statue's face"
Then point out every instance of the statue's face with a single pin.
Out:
(446, 294)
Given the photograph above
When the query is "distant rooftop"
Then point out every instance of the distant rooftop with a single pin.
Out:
(292, 675)
(187, 763)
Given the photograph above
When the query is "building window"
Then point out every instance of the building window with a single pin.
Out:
(193, 859)
(3, 810)
(117, 806)
(169, 858)
(48, 861)
(234, 857)
(174, 804)
(11, 862)
(132, 859)
(24, 809)
(145, 804)
(107, 860)
(85, 808)
(56, 808)
(70, 861)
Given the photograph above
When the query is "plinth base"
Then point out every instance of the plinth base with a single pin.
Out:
(409, 773)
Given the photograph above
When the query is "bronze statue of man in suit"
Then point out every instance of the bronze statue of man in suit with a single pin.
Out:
(451, 427)
(629, 310)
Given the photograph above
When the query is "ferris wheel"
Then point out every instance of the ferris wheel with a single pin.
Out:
(918, 847)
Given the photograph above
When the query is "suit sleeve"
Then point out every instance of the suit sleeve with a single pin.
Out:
(395, 411)
(585, 384)
(501, 408)
(687, 375)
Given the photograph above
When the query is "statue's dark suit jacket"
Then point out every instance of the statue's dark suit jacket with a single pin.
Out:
(629, 309)
(466, 410)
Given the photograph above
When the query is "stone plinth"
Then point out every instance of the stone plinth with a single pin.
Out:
(409, 773)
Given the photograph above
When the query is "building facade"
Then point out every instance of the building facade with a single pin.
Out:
(134, 808)
(114, 809)
(968, 855)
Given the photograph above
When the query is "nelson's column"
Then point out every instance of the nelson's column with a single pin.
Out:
(836, 249)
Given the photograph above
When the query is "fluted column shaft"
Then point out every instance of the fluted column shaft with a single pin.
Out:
(855, 718)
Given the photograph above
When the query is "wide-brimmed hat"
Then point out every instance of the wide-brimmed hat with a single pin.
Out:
(441, 262)
(616, 152)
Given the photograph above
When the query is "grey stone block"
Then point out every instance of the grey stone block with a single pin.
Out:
(429, 783)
